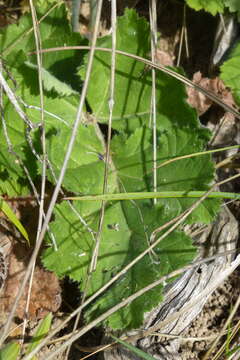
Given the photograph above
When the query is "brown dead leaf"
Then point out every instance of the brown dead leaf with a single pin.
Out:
(200, 101)
(163, 58)
(45, 292)
(25, 7)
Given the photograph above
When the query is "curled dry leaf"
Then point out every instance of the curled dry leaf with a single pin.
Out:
(163, 58)
(200, 101)
(45, 292)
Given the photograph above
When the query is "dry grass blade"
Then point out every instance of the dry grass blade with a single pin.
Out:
(59, 182)
(233, 333)
(222, 332)
(171, 318)
(209, 289)
(162, 68)
(109, 134)
(93, 263)
(170, 226)
(183, 38)
(37, 37)
(153, 25)
(8, 49)
(177, 221)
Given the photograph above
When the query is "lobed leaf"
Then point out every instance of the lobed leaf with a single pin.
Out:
(234, 6)
(54, 30)
(230, 72)
(131, 77)
(212, 6)
(51, 83)
(127, 225)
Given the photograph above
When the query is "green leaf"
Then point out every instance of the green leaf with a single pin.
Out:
(134, 349)
(123, 237)
(131, 78)
(187, 174)
(112, 253)
(43, 5)
(10, 352)
(55, 31)
(212, 6)
(85, 169)
(128, 225)
(230, 72)
(59, 113)
(215, 6)
(41, 332)
(10, 182)
(50, 82)
(171, 253)
(12, 217)
(234, 6)
(155, 195)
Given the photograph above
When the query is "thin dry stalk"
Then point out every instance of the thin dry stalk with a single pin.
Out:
(185, 33)
(143, 333)
(233, 333)
(223, 330)
(181, 218)
(153, 26)
(12, 45)
(171, 318)
(5, 131)
(76, 5)
(213, 286)
(13, 99)
(93, 263)
(183, 38)
(199, 154)
(162, 68)
(43, 181)
(107, 160)
(58, 189)
(60, 179)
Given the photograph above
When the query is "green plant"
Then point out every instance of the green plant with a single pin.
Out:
(40, 333)
(11, 351)
(230, 72)
(127, 224)
(134, 349)
(215, 6)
